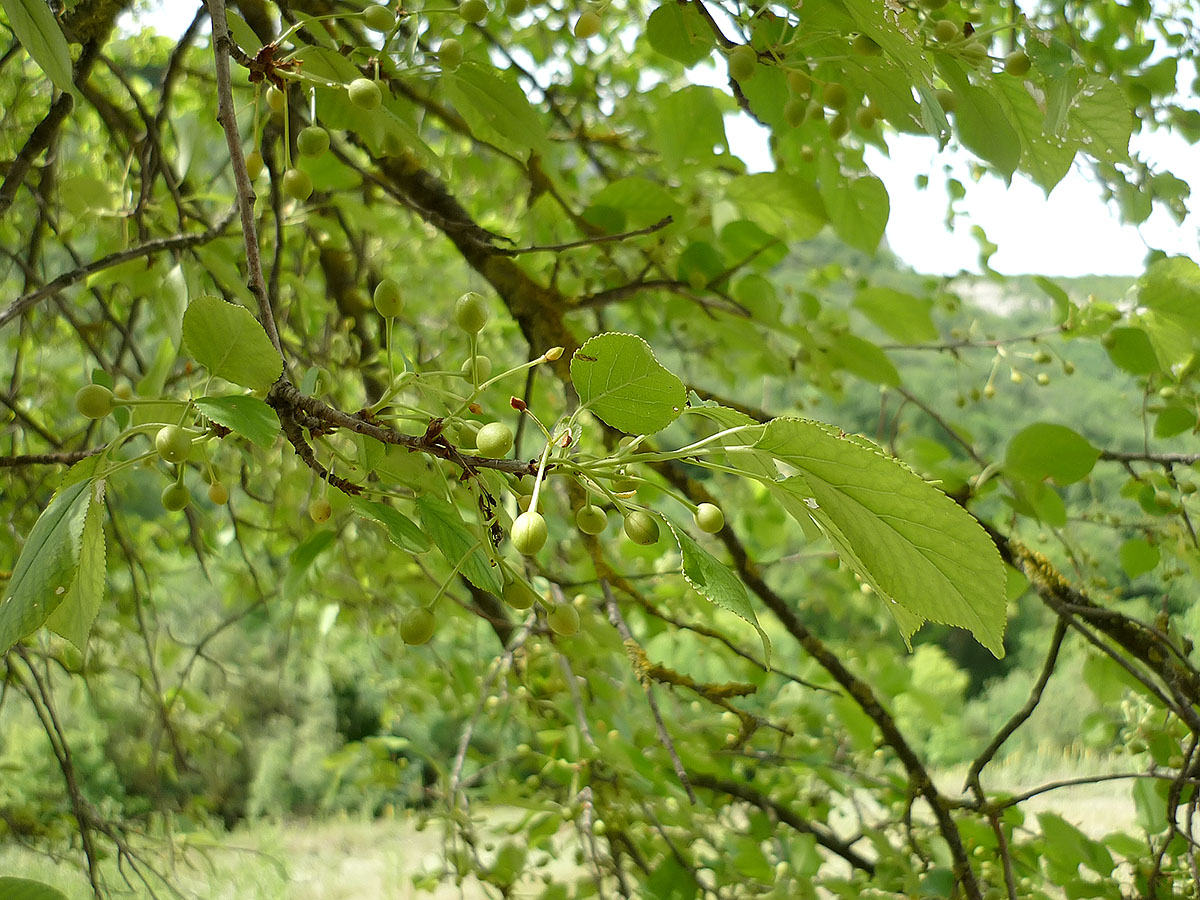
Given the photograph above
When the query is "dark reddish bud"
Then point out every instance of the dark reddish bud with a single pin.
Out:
(518, 404)
(475, 408)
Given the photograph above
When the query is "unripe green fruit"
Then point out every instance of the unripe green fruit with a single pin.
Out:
(1017, 63)
(176, 496)
(494, 440)
(587, 25)
(297, 184)
(1042, 357)
(839, 125)
(974, 53)
(1163, 498)
(388, 301)
(989, 391)
(173, 444)
(1187, 487)
(519, 595)
(591, 519)
(254, 164)
(123, 390)
(947, 100)
(743, 61)
(320, 510)
(471, 312)
(477, 369)
(218, 493)
(516, 7)
(795, 111)
(312, 141)
(417, 626)
(365, 94)
(1068, 368)
(94, 401)
(709, 518)
(934, 4)
(529, 533)
(799, 83)
(473, 11)
(946, 31)
(1167, 393)
(276, 99)
(865, 117)
(379, 18)
(1042, 378)
(641, 528)
(835, 96)
(563, 619)
(865, 46)
(450, 54)
(1016, 377)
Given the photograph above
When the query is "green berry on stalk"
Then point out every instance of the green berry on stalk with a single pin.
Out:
(516, 7)
(379, 18)
(835, 96)
(947, 100)
(254, 164)
(946, 31)
(94, 401)
(1017, 63)
(297, 184)
(477, 369)
(1042, 357)
(865, 46)
(799, 83)
(865, 117)
(1068, 368)
(389, 302)
(563, 619)
(519, 595)
(974, 53)
(494, 440)
(312, 141)
(320, 510)
(641, 528)
(218, 493)
(173, 444)
(471, 312)
(276, 99)
(1042, 378)
(364, 93)
(709, 518)
(176, 496)
(795, 111)
(587, 25)
(450, 54)
(529, 533)
(591, 519)
(417, 626)
(839, 125)
(473, 11)
(743, 62)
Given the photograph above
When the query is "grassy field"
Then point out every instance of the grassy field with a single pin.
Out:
(341, 860)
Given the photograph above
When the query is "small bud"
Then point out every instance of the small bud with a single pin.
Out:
(475, 408)
(553, 353)
(518, 404)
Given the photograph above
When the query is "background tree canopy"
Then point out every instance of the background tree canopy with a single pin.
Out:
(423, 408)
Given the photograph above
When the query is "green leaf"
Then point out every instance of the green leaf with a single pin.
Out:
(35, 27)
(620, 381)
(46, 567)
(716, 581)
(1045, 158)
(24, 889)
(1138, 556)
(1173, 420)
(1050, 451)
(864, 359)
(1131, 350)
(687, 125)
(303, 557)
(642, 201)
(402, 530)
(446, 529)
(858, 208)
(228, 341)
(902, 316)
(1062, 301)
(783, 204)
(985, 130)
(1170, 292)
(243, 34)
(74, 617)
(248, 416)
(921, 552)
(1101, 121)
(680, 33)
(495, 108)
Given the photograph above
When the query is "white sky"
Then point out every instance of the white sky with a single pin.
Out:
(1073, 232)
